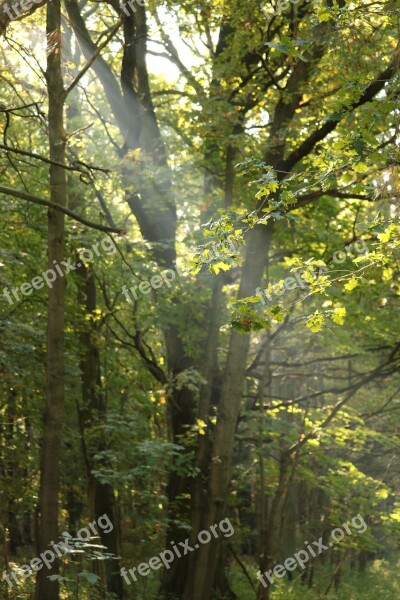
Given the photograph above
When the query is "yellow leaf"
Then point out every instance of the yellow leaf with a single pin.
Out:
(315, 322)
(387, 274)
(360, 167)
(324, 16)
(338, 315)
(220, 265)
(382, 494)
(385, 236)
(201, 425)
(350, 285)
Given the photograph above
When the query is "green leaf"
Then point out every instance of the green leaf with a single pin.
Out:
(284, 48)
(92, 578)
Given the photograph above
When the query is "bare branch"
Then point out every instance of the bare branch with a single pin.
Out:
(52, 162)
(93, 57)
(66, 211)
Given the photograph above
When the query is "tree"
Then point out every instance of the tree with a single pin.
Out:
(311, 118)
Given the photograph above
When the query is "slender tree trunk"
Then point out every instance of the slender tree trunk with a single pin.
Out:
(101, 495)
(50, 460)
(274, 521)
(12, 473)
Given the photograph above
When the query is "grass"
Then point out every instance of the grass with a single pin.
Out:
(381, 580)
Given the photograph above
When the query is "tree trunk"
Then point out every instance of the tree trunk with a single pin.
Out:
(204, 561)
(93, 409)
(50, 460)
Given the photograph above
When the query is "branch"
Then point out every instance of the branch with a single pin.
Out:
(93, 58)
(3, 109)
(241, 565)
(313, 361)
(378, 372)
(174, 57)
(382, 408)
(317, 136)
(53, 162)
(101, 68)
(140, 346)
(301, 200)
(54, 206)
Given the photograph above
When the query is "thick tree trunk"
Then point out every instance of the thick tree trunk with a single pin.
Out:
(50, 460)
(203, 563)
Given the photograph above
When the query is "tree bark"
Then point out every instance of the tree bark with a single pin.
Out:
(50, 459)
